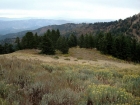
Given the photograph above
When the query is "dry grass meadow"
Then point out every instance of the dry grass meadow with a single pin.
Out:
(82, 77)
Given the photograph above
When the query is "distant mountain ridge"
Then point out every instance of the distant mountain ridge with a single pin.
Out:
(13, 26)
(129, 26)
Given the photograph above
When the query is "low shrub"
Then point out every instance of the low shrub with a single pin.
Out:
(105, 94)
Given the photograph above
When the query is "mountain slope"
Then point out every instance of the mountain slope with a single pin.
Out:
(129, 26)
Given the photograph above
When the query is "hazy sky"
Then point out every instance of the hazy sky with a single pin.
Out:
(69, 9)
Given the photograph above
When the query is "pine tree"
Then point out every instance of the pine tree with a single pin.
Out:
(57, 33)
(137, 58)
(99, 41)
(116, 47)
(86, 41)
(133, 49)
(91, 41)
(53, 35)
(28, 41)
(47, 46)
(109, 42)
(8, 48)
(1, 49)
(18, 45)
(36, 41)
(62, 45)
(72, 41)
(81, 41)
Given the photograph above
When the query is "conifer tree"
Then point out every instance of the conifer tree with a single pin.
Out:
(18, 45)
(108, 42)
(137, 58)
(53, 35)
(133, 49)
(8, 48)
(1, 49)
(28, 41)
(91, 41)
(36, 40)
(47, 46)
(99, 41)
(86, 41)
(72, 41)
(62, 45)
(81, 41)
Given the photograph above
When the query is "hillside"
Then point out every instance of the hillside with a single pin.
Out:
(28, 78)
(129, 26)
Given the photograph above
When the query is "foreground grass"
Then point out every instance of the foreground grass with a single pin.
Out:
(32, 82)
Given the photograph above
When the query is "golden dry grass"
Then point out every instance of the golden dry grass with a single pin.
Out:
(75, 56)
(28, 78)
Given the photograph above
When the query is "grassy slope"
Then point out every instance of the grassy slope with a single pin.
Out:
(77, 78)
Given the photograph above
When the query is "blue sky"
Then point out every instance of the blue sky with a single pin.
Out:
(69, 9)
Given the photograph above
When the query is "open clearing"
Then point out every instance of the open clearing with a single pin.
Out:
(75, 56)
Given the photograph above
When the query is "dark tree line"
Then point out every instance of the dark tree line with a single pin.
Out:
(47, 43)
(6, 48)
(120, 46)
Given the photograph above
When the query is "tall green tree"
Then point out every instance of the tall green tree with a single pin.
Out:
(53, 35)
(81, 41)
(72, 41)
(18, 45)
(36, 40)
(137, 58)
(1, 49)
(108, 42)
(99, 41)
(62, 45)
(47, 46)
(116, 47)
(86, 41)
(91, 41)
(28, 41)
(8, 48)
(134, 49)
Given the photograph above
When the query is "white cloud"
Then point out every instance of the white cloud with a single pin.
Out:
(69, 9)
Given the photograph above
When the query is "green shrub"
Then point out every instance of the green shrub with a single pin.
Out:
(49, 68)
(105, 94)
(61, 97)
(132, 84)
(4, 102)
(68, 59)
(4, 90)
(56, 57)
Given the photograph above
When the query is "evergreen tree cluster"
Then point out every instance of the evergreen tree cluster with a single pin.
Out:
(52, 41)
(86, 41)
(47, 43)
(6, 48)
(120, 46)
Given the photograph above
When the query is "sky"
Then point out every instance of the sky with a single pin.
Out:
(69, 9)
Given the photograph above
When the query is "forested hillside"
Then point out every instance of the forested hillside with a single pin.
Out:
(129, 27)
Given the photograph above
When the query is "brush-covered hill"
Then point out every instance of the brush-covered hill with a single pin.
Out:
(29, 78)
(129, 26)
